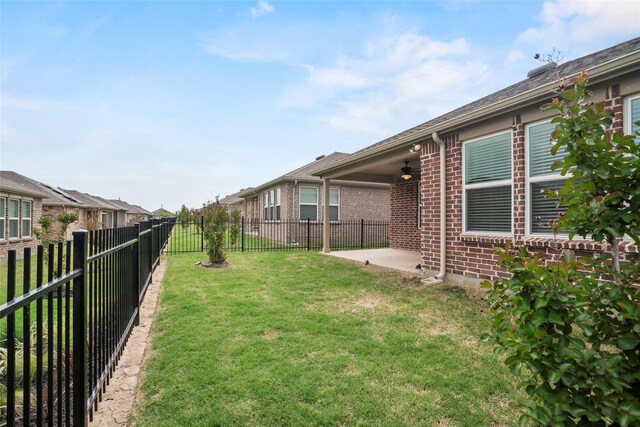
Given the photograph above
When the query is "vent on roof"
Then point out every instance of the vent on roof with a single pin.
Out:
(541, 70)
(320, 157)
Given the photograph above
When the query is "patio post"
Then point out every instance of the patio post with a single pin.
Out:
(326, 244)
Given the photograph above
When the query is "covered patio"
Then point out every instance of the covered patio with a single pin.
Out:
(396, 259)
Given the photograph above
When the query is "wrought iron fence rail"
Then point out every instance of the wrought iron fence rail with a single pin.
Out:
(257, 235)
(84, 314)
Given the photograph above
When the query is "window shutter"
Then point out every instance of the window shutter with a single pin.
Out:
(488, 159)
(489, 209)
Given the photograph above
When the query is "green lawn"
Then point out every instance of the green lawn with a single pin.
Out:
(305, 339)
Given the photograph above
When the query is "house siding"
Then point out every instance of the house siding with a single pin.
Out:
(472, 256)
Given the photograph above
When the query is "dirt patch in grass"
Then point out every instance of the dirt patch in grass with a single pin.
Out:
(269, 335)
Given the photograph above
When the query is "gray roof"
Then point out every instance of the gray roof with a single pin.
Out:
(51, 196)
(303, 173)
(15, 183)
(133, 209)
(567, 69)
(234, 198)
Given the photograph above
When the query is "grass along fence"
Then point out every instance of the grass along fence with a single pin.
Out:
(56, 373)
(303, 339)
(256, 235)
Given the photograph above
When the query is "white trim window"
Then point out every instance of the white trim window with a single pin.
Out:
(308, 203)
(487, 179)
(334, 204)
(14, 218)
(632, 112)
(265, 206)
(272, 204)
(3, 217)
(26, 218)
(542, 211)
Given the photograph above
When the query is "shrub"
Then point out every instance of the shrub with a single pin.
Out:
(570, 328)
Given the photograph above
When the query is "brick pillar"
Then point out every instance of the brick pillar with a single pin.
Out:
(519, 180)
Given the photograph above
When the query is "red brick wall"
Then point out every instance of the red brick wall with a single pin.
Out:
(472, 256)
(403, 226)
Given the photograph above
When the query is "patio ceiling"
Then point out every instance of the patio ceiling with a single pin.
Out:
(380, 167)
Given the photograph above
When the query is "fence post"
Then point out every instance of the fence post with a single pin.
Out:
(308, 234)
(137, 273)
(80, 413)
(242, 232)
(362, 233)
(202, 233)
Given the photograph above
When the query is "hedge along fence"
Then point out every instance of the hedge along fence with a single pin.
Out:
(84, 314)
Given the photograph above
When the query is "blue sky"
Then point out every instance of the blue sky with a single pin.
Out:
(178, 102)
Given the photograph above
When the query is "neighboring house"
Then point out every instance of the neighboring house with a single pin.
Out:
(497, 162)
(297, 195)
(100, 213)
(163, 213)
(20, 209)
(131, 213)
(54, 203)
(234, 202)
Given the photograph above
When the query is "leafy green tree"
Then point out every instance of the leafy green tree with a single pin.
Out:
(184, 216)
(216, 221)
(234, 226)
(571, 327)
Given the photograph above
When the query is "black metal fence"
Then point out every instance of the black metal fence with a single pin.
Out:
(56, 366)
(253, 235)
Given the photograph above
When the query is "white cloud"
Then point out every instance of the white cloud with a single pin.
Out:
(262, 8)
(573, 26)
(396, 80)
(515, 56)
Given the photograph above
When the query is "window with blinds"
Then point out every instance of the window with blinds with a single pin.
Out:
(487, 184)
(334, 204)
(542, 211)
(633, 112)
(309, 203)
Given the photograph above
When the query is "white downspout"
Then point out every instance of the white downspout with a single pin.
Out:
(439, 278)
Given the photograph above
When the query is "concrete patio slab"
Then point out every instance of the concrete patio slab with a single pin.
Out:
(390, 258)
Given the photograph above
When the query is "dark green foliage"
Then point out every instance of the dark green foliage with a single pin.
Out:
(215, 227)
(571, 327)
(234, 227)
(184, 216)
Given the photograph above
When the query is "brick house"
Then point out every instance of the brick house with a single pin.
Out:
(54, 203)
(100, 212)
(297, 195)
(233, 202)
(20, 209)
(496, 162)
(130, 214)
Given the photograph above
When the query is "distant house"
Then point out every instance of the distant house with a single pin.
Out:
(100, 213)
(234, 202)
(163, 213)
(298, 195)
(132, 213)
(20, 209)
(54, 202)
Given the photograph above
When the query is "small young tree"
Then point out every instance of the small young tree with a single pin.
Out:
(216, 220)
(234, 226)
(571, 328)
(184, 216)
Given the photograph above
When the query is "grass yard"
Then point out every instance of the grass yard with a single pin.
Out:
(302, 339)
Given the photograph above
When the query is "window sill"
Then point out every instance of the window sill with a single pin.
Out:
(486, 239)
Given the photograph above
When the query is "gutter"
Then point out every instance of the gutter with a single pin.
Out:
(439, 278)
